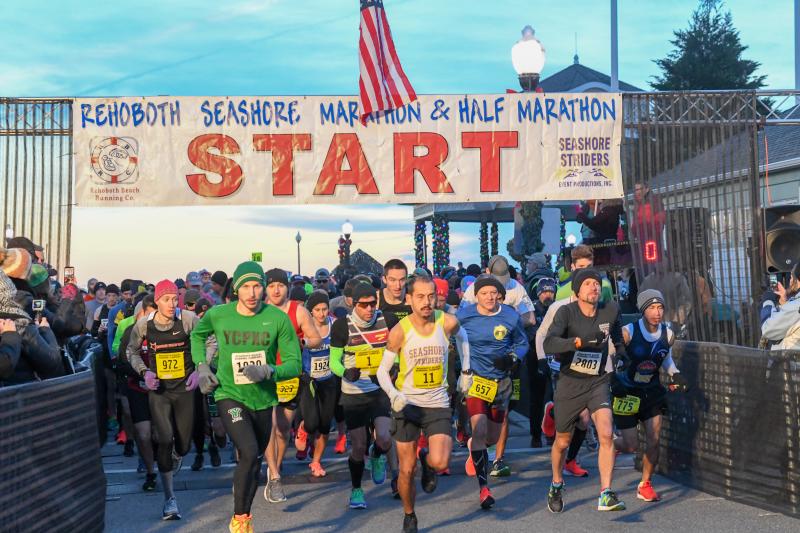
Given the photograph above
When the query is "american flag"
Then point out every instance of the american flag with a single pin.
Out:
(382, 83)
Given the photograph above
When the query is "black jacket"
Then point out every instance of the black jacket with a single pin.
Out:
(40, 357)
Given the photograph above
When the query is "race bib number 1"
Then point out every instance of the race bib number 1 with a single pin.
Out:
(287, 390)
(428, 377)
(483, 389)
(586, 363)
(369, 360)
(240, 360)
(170, 365)
(629, 405)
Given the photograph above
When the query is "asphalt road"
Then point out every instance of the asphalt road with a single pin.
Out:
(206, 503)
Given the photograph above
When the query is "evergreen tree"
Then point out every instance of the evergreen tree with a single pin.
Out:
(707, 55)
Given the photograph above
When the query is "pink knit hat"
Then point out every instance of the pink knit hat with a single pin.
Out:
(165, 286)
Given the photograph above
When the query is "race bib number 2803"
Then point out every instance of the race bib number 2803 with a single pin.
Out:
(586, 363)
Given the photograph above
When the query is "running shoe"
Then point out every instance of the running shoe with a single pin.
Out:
(461, 437)
(555, 501)
(170, 511)
(128, 451)
(378, 467)
(548, 421)
(608, 501)
(487, 500)
(301, 455)
(572, 468)
(647, 493)
(395, 490)
(177, 461)
(357, 500)
(141, 469)
(198, 462)
(410, 523)
(241, 523)
(500, 469)
(149, 484)
(213, 452)
(591, 440)
(444, 472)
(341, 444)
(316, 469)
(429, 478)
(301, 442)
(469, 466)
(273, 491)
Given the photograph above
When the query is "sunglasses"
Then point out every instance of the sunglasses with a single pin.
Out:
(367, 305)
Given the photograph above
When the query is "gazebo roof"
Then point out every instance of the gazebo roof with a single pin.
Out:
(476, 211)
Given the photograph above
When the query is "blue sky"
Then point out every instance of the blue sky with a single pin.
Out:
(273, 47)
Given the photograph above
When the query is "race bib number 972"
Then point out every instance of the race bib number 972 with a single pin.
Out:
(170, 365)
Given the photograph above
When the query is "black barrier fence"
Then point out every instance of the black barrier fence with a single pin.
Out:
(49, 457)
(735, 434)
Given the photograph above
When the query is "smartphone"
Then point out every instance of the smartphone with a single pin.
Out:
(773, 282)
(38, 306)
(69, 275)
(104, 322)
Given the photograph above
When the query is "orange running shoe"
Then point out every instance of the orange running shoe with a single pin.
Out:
(647, 493)
(487, 500)
(301, 438)
(341, 444)
(469, 466)
(241, 523)
(548, 421)
(572, 468)
(122, 437)
(316, 469)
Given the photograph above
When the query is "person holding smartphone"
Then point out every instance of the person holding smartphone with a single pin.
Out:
(780, 314)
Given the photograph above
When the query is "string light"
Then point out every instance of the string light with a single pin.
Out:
(441, 242)
(494, 238)
(419, 244)
(484, 237)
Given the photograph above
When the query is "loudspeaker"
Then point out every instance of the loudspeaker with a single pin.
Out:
(782, 228)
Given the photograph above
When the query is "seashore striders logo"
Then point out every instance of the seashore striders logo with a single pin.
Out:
(115, 160)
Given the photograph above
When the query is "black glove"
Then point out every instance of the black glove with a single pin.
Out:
(593, 341)
(305, 379)
(679, 383)
(352, 374)
(542, 367)
(507, 363)
(621, 360)
(618, 388)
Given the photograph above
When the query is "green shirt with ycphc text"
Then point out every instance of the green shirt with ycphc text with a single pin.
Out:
(247, 340)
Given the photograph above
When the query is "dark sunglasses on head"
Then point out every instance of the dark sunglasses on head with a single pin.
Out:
(366, 305)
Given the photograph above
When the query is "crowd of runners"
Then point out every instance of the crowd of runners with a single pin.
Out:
(397, 367)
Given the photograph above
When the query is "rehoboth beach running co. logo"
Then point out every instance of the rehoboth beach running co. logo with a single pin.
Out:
(115, 160)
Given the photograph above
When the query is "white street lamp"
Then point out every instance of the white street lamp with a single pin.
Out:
(298, 238)
(571, 239)
(347, 229)
(528, 56)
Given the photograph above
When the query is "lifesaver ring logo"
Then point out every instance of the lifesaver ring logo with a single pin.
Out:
(115, 160)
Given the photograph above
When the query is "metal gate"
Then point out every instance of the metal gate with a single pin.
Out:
(36, 171)
(690, 164)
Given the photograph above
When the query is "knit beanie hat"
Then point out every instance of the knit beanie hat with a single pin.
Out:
(582, 275)
(363, 290)
(489, 281)
(316, 298)
(276, 275)
(647, 298)
(247, 271)
(165, 287)
(8, 303)
(219, 277)
(38, 275)
(15, 262)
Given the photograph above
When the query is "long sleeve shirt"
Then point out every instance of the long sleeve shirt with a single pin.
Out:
(492, 337)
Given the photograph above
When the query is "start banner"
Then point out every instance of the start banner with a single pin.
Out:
(162, 151)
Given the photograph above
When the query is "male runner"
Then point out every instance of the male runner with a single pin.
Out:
(170, 378)
(357, 344)
(581, 257)
(249, 334)
(497, 344)
(419, 397)
(636, 387)
(278, 296)
(579, 337)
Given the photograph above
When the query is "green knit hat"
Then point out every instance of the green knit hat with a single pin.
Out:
(37, 276)
(247, 271)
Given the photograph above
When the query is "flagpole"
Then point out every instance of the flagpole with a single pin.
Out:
(615, 48)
